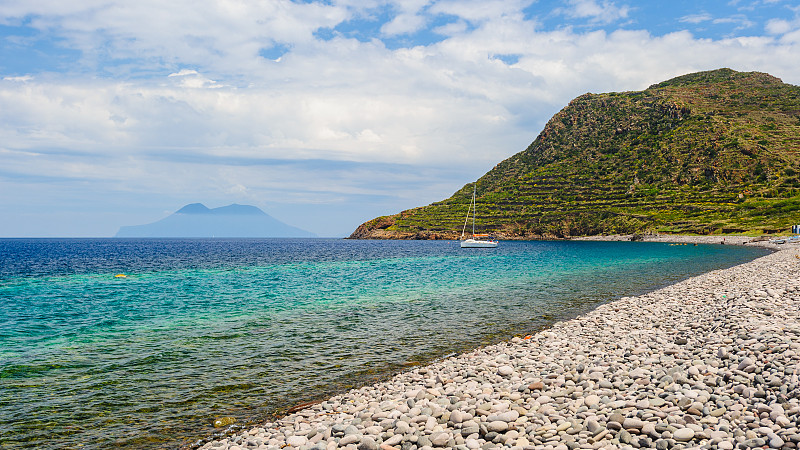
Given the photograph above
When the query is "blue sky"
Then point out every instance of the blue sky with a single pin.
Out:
(324, 114)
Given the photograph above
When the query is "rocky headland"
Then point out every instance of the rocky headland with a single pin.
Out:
(709, 362)
(705, 153)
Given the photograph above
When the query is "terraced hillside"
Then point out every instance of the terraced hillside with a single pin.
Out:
(709, 152)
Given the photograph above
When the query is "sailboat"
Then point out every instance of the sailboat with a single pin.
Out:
(477, 240)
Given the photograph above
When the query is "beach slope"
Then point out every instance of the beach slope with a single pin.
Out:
(708, 362)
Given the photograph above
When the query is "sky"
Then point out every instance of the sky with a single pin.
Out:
(324, 114)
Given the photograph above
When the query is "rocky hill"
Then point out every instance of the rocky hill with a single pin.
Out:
(704, 153)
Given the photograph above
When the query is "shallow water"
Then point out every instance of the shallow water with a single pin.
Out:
(200, 329)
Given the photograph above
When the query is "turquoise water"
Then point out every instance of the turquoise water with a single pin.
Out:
(201, 329)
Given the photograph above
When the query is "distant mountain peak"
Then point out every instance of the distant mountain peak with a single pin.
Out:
(238, 209)
(197, 220)
(194, 208)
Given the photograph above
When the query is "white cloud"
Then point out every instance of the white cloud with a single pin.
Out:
(478, 11)
(785, 26)
(21, 79)
(605, 12)
(741, 21)
(349, 100)
(224, 36)
(697, 18)
(192, 79)
(403, 24)
(451, 29)
(183, 72)
(409, 19)
(778, 26)
(791, 38)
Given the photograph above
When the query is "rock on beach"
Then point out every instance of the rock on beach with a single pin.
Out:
(711, 362)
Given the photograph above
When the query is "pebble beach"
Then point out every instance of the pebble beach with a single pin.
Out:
(709, 362)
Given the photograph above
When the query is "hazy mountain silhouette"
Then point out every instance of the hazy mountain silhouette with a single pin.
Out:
(197, 220)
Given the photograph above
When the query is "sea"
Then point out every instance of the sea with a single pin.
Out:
(144, 343)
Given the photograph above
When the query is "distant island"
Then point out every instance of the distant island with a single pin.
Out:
(197, 220)
(714, 152)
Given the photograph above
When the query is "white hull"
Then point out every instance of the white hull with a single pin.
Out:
(472, 243)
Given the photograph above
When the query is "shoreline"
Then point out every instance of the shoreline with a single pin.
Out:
(711, 361)
(761, 241)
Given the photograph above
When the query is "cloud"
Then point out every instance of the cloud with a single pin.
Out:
(223, 36)
(356, 122)
(409, 19)
(740, 21)
(451, 28)
(480, 11)
(697, 18)
(21, 79)
(605, 12)
(358, 101)
(191, 79)
(183, 73)
(785, 26)
(403, 24)
(778, 26)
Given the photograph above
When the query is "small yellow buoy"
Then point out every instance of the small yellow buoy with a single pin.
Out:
(120, 275)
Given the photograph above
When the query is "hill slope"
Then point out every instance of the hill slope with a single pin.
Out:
(709, 152)
(196, 220)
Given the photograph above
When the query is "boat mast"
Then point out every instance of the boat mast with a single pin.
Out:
(466, 219)
(474, 209)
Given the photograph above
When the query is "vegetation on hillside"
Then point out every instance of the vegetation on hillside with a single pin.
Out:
(709, 152)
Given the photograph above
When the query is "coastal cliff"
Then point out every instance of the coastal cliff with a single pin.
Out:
(704, 153)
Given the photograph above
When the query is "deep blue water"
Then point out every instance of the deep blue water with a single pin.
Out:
(200, 329)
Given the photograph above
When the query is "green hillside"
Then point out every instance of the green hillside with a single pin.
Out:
(709, 152)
